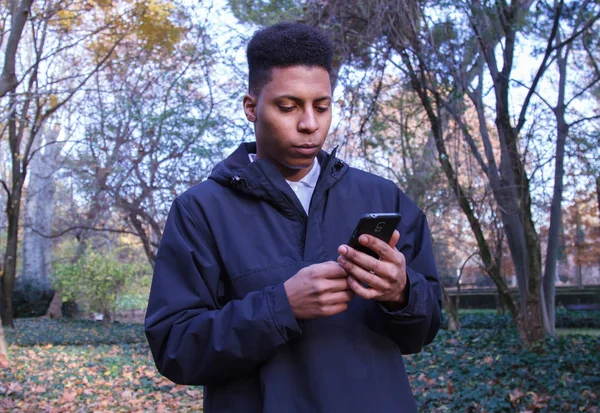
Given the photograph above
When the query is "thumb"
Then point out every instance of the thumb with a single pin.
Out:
(395, 238)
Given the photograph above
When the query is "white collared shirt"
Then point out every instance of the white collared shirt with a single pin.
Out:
(305, 187)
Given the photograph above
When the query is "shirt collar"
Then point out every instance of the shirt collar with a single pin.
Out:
(310, 179)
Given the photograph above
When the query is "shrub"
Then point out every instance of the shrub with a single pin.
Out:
(577, 318)
(95, 281)
(564, 319)
(70, 309)
(31, 298)
(41, 332)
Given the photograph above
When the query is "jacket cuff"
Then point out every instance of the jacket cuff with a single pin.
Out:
(282, 313)
(412, 280)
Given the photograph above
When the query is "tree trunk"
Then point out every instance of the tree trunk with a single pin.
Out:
(598, 193)
(39, 202)
(55, 308)
(578, 245)
(3, 349)
(10, 256)
(562, 132)
(451, 311)
(19, 14)
(518, 221)
(13, 209)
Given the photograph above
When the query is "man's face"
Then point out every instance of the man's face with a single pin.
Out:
(291, 117)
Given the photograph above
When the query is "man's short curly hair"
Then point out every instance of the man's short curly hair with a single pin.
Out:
(284, 45)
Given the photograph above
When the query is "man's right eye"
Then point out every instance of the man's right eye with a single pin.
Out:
(286, 108)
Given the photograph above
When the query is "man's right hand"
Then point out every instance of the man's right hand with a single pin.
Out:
(318, 290)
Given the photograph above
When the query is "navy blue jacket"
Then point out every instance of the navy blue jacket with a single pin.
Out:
(218, 314)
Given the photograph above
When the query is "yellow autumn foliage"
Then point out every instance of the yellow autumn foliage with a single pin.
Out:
(155, 28)
(67, 19)
(145, 25)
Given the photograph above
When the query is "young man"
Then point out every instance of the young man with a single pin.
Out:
(255, 294)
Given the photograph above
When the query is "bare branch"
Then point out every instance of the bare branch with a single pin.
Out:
(5, 186)
(50, 111)
(583, 90)
(543, 67)
(533, 92)
(578, 121)
(575, 35)
(78, 227)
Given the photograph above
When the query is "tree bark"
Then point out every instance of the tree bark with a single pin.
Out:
(451, 311)
(598, 193)
(518, 221)
(4, 363)
(55, 308)
(39, 203)
(13, 208)
(19, 15)
(562, 132)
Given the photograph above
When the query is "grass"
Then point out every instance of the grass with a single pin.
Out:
(584, 331)
(464, 311)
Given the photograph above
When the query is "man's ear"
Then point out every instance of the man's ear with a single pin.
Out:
(250, 107)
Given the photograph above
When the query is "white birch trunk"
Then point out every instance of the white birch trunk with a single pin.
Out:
(39, 205)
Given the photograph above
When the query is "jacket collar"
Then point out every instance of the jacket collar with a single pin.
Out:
(263, 180)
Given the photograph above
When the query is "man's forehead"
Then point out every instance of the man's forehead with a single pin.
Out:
(294, 80)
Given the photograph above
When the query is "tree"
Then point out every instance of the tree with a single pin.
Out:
(460, 58)
(39, 202)
(147, 134)
(67, 42)
(508, 177)
(3, 349)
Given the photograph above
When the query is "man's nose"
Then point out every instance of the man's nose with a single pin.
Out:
(308, 122)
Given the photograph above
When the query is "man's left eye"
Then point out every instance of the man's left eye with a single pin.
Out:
(322, 109)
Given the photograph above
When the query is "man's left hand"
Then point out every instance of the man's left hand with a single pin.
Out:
(385, 278)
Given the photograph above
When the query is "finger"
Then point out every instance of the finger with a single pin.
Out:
(365, 261)
(360, 290)
(338, 297)
(385, 251)
(334, 309)
(336, 285)
(374, 281)
(331, 270)
(395, 238)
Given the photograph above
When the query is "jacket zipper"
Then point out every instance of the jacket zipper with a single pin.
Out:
(301, 218)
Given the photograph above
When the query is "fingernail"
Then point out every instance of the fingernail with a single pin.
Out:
(341, 260)
(363, 239)
(343, 250)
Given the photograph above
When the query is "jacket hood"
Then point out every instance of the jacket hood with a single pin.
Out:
(254, 178)
(261, 179)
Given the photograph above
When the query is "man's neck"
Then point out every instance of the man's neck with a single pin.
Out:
(291, 174)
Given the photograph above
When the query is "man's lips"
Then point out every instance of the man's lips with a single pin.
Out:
(306, 149)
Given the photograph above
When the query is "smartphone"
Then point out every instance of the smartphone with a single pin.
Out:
(381, 226)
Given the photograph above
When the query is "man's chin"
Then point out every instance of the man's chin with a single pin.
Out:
(299, 164)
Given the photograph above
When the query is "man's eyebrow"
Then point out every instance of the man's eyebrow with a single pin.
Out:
(297, 99)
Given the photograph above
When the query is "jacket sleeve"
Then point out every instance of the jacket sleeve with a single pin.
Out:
(417, 324)
(193, 340)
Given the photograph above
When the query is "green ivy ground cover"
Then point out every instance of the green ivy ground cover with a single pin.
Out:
(490, 319)
(39, 331)
(488, 371)
(482, 370)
